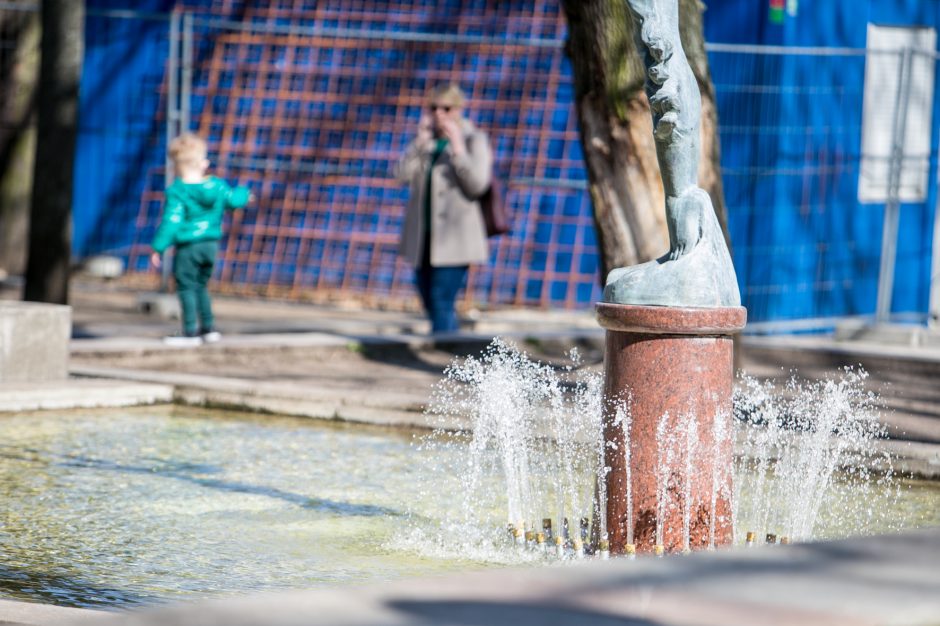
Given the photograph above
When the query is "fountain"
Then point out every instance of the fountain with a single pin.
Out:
(657, 446)
(803, 448)
(803, 459)
(658, 443)
(156, 504)
(669, 322)
(533, 438)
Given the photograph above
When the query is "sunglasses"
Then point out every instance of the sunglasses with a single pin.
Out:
(442, 107)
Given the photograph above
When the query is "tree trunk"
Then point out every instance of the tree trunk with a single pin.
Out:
(18, 72)
(50, 226)
(616, 128)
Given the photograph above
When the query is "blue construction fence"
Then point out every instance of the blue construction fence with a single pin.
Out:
(314, 122)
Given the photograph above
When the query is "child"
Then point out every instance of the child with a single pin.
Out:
(192, 221)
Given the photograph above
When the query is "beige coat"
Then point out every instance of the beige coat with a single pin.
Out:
(458, 235)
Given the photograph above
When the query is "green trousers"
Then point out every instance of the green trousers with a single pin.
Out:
(192, 269)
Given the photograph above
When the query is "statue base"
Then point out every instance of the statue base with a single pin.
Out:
(704, 277)
(670, 479)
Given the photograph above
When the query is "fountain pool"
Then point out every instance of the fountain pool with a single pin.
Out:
(806, 466)
(152, 505)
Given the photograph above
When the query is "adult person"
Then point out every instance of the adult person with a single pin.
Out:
(447, 166)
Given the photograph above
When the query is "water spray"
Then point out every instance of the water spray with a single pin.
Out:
(533, 446)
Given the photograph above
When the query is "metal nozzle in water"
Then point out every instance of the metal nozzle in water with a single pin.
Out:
(784, 540)
(578, 546)
(559, 547)
(547, 527)
(530, 539)
(630, 551)
(659, 550)
(771, 538)
(585, 528)
(540, 542)
(518, 536)
(603, 549)
(749, 540)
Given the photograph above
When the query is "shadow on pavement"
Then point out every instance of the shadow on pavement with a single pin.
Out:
(478, 613)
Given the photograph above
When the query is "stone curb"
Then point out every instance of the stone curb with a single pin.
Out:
(382, 408)
(17, 613)
(81, 394)
(111, 347)
(850, 349)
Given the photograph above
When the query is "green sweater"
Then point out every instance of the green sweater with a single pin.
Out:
(193, 211)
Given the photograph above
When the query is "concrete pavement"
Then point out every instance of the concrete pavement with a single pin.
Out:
(904, 373)
(317, 361)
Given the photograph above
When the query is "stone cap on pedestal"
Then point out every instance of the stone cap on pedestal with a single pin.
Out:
(34, 341)
(671, 320)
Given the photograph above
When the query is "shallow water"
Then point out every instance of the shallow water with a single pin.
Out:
(143, 506)
(147, 506)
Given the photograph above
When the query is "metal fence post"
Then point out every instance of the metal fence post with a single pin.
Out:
(933, 303)
(172, 119)
(933, 306)
(186, 78)
(172, 89)
(889, 237)
(933, 300)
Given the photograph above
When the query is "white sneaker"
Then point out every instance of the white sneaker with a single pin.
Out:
(213, 336)
(183, 341)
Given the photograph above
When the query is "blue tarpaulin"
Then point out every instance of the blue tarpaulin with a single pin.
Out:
(791, 131)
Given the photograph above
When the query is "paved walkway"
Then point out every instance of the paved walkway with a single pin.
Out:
(379, 366)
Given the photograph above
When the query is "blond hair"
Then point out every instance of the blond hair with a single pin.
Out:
(450, 94)
(188, 149)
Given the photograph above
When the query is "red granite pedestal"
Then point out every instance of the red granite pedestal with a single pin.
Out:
(672, 369)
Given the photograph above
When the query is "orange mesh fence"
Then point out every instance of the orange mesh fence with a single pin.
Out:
(311, 107)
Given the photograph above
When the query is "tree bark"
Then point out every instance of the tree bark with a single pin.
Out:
(50, 227)
(18, 72)
(616, 128)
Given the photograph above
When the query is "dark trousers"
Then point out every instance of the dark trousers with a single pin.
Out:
(192, 269)
(438, 287)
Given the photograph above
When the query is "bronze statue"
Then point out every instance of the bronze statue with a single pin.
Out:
(697, 270)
